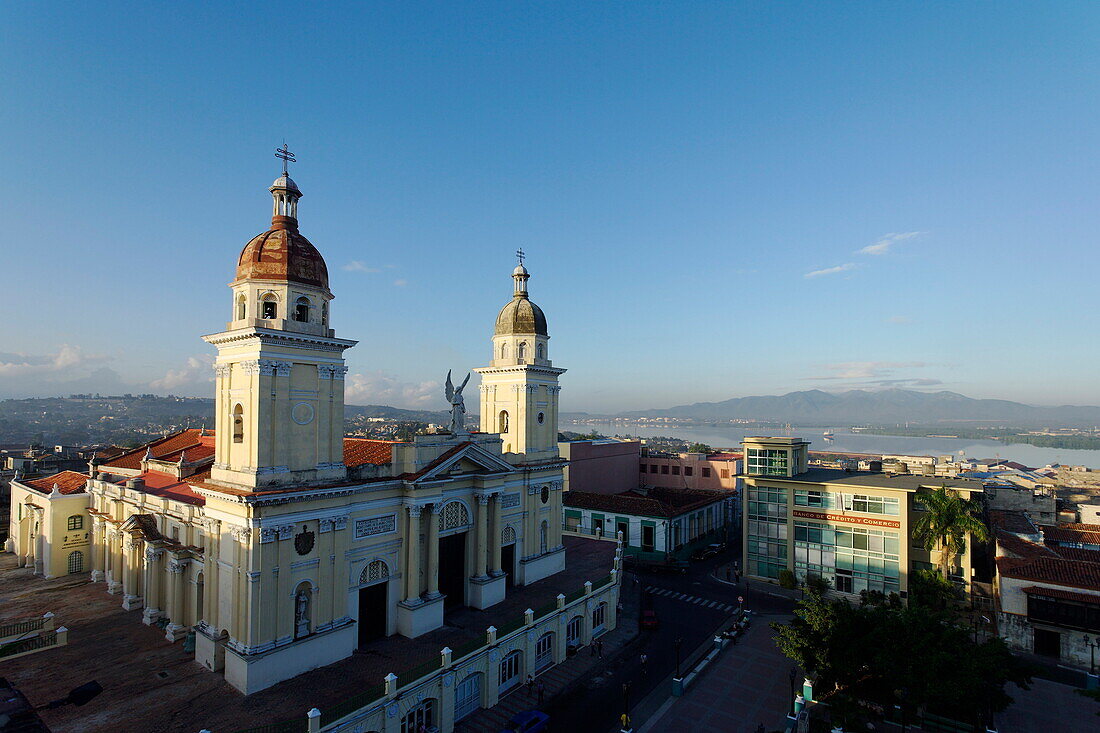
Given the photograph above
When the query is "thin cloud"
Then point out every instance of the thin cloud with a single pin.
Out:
(401, 283)
(830, 270)
(900, 320)
(886, 241)
(383, 388)
(360, 266)
(866, 369)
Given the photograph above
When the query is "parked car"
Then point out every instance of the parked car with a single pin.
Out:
(529, 721)
(704, 552)
(649, 619)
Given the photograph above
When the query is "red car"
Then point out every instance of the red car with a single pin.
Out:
(649, 619)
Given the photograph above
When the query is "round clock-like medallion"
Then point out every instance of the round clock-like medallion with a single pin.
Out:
(545, 494)
(302, 413)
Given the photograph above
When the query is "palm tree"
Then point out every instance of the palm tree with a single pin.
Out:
(945, 524)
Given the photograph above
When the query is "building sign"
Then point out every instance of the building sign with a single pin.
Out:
(830, 517)
(509, 500)
(375, 525)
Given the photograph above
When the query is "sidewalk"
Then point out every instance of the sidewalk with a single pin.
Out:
(746, 685)
(558, 678)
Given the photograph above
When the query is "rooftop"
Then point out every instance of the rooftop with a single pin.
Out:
(656, 502)
(67, 482)
(873, 479)
(1055, 570)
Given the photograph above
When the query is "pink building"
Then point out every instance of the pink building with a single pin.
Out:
(601, 466)
(691, 471)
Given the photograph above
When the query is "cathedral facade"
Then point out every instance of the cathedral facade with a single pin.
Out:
(283, 545)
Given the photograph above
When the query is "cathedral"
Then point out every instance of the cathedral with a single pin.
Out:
(283, 545)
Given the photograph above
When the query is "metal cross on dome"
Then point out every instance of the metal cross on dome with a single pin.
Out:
(520, 254)
(286, 156)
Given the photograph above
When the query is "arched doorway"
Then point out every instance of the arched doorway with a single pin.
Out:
(508, 556)
(468, 696)
(454, 521)
(373, 602)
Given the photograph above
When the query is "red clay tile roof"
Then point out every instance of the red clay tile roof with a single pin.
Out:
(1064, 594)
(1076, 553)
(163, 448)
(68, 482)
(1059, 571)
(1070, 532)
(360, 451)
(1021, 547)
(169, 487)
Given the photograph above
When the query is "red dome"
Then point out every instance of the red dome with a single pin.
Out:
(281, 253)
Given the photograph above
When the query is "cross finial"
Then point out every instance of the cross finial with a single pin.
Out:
(520, 255)
(286, 156)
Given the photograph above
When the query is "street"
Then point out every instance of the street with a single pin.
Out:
(690, 607)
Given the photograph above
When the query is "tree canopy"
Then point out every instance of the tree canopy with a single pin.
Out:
(881, 652)
(945, 524)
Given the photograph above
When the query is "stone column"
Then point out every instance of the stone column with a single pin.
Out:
(494, 536)
(95, 552)
(433, 551)
(412, 556)
(131, 595)
(110, 561)
(482, 535)
(175, 630)
(153, 584)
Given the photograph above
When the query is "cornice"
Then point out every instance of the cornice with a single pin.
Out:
(269, 336)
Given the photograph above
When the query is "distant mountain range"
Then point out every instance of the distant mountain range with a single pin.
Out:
(885, 407)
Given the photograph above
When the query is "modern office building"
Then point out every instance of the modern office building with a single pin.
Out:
(850, 527)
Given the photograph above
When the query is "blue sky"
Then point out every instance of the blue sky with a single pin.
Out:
(677, 172)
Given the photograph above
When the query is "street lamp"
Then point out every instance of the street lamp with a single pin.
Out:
(679, 641)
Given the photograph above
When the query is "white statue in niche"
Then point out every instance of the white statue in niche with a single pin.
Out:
(458, 405)
(301, 614)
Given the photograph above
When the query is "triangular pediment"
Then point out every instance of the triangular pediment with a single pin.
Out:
(464, 460)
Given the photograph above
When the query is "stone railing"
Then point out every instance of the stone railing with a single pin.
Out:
(437, 678)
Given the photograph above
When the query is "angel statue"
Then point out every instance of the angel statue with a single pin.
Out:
(458, 405)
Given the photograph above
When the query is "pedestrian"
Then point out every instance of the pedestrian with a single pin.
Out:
(599, 648)
(645, 664)
(542, 691)
(728, 571)
(530, 685)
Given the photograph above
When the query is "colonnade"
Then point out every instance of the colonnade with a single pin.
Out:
(423, 583)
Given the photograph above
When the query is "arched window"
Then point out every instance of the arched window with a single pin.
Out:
(510, 669)
(238, 424)
(599, 616)
(504, 351)
(200, 597)
(375, 571)
(269, 307)
(453, 516)
(76, 562)
(544, 651)
(544, 530)
(508, 536)
(503, 422)
(76, 521)
(539, 351)
(521, 351)
(301, 310)
(303, 602)
(242, 307)
(324, 314)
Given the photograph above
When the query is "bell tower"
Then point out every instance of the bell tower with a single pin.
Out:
(280, 369)
(519, 388)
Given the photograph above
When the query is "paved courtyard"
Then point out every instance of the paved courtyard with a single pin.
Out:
(150, 684)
